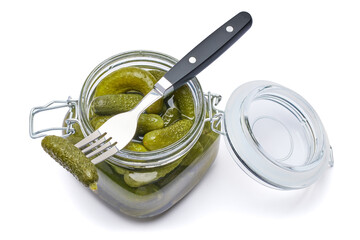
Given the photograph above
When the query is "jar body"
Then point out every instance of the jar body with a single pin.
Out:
(156, 197)
(147, 184)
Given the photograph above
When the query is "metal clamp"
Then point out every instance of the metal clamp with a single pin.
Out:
(71, 104)
(215, 116)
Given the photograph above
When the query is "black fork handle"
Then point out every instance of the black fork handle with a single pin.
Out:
(209, 50)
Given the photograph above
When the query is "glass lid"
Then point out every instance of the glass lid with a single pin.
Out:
(275, 136)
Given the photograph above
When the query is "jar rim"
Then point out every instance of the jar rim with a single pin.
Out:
(154, 60)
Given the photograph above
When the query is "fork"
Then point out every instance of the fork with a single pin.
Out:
(118, 131)
(122, 126)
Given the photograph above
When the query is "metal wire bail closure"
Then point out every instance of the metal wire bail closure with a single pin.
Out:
(215, 115)
(72, 113)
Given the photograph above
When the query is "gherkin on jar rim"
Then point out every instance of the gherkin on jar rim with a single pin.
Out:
(72, 159)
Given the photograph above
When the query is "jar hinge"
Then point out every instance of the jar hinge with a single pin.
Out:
(70, 103)
(215, 116)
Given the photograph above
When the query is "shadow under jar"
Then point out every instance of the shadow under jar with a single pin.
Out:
(165, 175)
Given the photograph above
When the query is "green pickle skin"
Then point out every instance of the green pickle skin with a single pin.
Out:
(149, 122)
(195, 151)
(135, 147)
(184, 101)
(115, 103)
(158, 74)
(72, 159)
(166, 136)
(129, 79)
(97, 121)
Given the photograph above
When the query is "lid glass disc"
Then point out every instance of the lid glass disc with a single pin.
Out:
(275, 135)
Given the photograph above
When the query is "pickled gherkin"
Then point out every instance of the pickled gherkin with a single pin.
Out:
(115, 103)
(135, 147)
(125, 79)
(158, 74)
(129, 79)
(208, 138)
(72, 159)
(97, 121)
(149, 122)
(194, 153)
(184, 101)
(166, 136)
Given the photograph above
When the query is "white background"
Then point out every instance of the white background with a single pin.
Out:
(48, 48)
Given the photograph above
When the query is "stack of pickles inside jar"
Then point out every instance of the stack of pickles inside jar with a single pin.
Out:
(162, 124)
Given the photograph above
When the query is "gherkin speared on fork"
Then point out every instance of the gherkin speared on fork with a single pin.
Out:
(72, 159)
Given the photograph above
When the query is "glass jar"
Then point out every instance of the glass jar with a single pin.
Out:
(145, 184)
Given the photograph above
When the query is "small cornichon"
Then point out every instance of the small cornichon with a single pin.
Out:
(135, 147)
(163, 137)
(185, 102)
(149, 122)
(72, 159)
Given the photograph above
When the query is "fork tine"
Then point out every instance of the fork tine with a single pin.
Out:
(98, 150)
(95, 144)
(88, 139)
(108, 153)
(100, 144)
